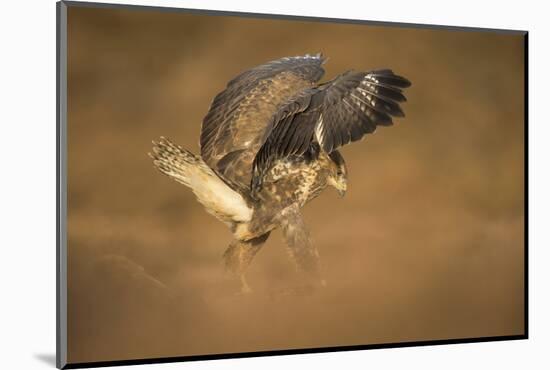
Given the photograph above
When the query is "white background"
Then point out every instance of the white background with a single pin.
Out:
(27, 181)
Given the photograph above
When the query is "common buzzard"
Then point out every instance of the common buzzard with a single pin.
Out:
(269, 144)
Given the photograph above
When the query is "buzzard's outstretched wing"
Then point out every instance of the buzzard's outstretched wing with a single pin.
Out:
(334, 114)
(233, 130)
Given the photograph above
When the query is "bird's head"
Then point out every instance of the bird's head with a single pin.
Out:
(338, 177)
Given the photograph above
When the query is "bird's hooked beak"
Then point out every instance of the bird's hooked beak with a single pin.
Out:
(339, 185)
(341, 188)
(341, 192)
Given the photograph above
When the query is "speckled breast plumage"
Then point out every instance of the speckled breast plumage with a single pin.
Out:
(295, 180)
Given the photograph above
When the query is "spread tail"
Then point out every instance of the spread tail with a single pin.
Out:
(190, 170)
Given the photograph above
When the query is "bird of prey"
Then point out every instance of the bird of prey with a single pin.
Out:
(269, 144)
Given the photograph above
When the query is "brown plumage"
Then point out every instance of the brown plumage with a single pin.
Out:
(269, 145)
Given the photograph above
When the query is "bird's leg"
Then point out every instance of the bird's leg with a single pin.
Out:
(301, 249)
(239, 255)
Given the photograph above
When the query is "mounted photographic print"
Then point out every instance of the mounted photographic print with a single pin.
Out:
(235, 184)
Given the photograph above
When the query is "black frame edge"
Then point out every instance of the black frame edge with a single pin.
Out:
(526, 181)
(222, 356)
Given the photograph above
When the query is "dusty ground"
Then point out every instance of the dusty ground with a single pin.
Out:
(427, 244)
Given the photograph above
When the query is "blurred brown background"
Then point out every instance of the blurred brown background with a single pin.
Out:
(427, 244)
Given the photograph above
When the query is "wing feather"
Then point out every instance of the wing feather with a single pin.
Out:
(240, 115)
(331, 115)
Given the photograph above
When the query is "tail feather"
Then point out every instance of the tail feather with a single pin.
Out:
(176, 162)
(190, 170)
